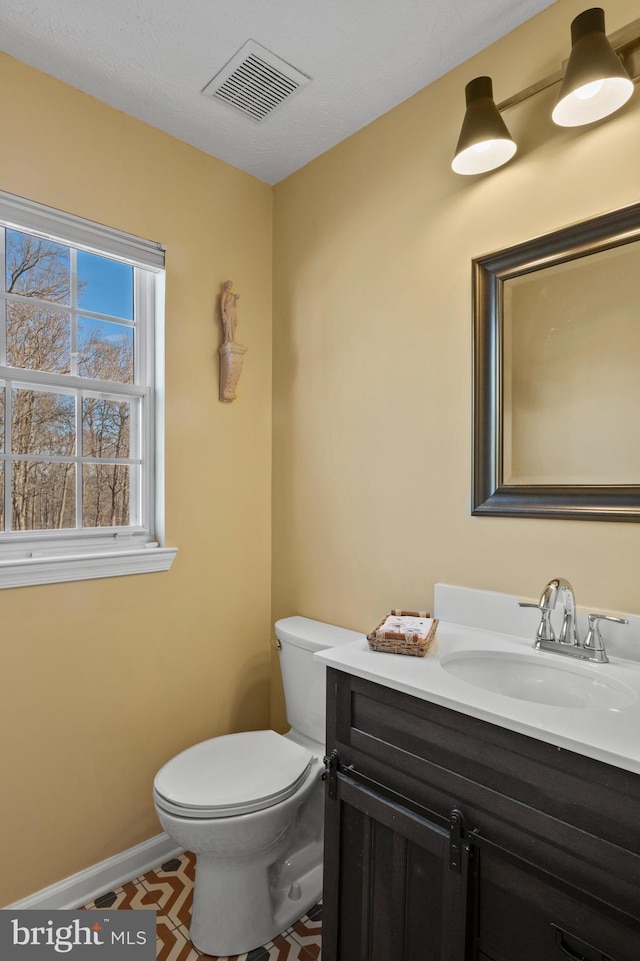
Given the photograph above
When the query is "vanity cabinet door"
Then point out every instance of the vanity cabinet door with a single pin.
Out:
(391, 893)
(523, 915)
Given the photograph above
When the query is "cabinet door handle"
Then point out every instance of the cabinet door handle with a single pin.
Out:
(575, 955)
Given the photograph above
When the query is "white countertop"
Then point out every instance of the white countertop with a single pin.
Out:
(609, 735)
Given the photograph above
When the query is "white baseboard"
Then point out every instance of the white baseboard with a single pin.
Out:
(87, 885)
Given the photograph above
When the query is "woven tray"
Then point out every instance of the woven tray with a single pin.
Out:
(390, 642)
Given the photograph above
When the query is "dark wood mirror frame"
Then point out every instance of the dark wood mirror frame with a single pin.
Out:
(490, 272)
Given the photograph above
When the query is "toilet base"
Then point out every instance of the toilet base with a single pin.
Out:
(272, 909)
(293, 908)
(296, 883)
(225, 931)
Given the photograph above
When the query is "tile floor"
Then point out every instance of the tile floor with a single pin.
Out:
(169, 888)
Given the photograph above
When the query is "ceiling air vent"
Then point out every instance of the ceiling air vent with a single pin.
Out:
(255, 81)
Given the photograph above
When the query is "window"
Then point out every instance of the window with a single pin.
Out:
(80, 389)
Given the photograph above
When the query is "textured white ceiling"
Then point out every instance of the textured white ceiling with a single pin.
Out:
(151, 59)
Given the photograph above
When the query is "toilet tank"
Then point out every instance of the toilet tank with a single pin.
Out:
(304, 679)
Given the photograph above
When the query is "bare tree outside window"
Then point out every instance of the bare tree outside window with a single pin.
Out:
(62, 448)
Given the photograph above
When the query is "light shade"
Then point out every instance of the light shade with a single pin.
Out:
(485, 143)
(595, 82)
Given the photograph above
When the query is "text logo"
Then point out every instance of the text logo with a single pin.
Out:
(77, 935)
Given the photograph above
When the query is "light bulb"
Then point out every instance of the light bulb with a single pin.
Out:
(589, 90)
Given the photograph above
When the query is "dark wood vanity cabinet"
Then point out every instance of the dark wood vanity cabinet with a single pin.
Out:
(451, 839)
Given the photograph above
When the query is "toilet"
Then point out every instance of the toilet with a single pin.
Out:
(250, 806)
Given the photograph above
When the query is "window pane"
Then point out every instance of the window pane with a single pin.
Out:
(105, 286)
(106, 495)
(105, 350)
(42, 495)
(38, 338)
(43, 423)
(105, 427)
(1, 432)
(37, 268)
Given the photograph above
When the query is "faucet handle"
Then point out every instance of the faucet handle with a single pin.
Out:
(593, 642)
(545, 630)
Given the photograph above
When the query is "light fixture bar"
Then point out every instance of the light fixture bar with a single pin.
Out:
(625, 42)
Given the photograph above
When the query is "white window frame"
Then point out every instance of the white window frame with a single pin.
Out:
(45, 557)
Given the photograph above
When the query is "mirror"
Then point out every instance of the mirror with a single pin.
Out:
(557, 374)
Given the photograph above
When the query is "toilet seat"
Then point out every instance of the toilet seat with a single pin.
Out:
(231, 775)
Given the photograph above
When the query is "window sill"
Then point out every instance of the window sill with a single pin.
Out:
(23, 572)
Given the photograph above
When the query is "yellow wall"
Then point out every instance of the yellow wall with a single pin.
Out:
(373, 245)
(103, 681)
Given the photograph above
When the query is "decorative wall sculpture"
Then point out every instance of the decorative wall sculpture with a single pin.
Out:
(231, 353)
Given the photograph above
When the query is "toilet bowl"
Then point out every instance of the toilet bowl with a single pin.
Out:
(250, 806)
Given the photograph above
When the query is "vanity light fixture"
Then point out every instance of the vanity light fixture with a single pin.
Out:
(484, 143)
(597, 81)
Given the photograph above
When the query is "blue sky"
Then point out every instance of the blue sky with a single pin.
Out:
(106, 286)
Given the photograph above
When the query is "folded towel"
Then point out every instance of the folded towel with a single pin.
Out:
(407, 624)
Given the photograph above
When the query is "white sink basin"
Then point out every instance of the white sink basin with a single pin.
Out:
(527, 677)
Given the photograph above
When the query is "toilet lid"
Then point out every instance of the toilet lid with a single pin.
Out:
(230, 775)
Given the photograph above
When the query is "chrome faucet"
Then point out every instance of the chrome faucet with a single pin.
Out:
(569, 643)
